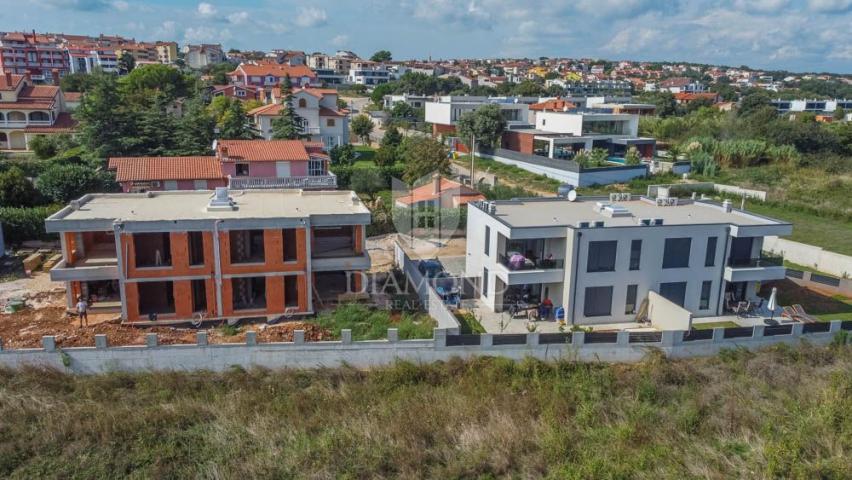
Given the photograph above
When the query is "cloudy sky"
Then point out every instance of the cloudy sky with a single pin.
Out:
(801, 35)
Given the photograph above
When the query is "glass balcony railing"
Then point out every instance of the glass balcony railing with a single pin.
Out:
(764, 261)
(519, 263)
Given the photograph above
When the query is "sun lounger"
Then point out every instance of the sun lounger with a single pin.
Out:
(800, 311)
(788, 312)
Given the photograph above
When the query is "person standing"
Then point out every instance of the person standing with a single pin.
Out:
(82, 308)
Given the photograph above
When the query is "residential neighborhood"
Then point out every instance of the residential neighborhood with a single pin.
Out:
(425, 240)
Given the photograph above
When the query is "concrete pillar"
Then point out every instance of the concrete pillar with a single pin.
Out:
(532, 338)
(100, 341)
(440, 337)
(758, 331)
(578, 338)
(835, 327)
(201, 339)
(797, 329)
(151, 340)
(251, 338)
(551, 149)
(718, 335)
(622, 338)
(486, 340)
(298, 337)
(48, 342)
(346, 336)
(393, 335)
(589, 145)
(671, 338)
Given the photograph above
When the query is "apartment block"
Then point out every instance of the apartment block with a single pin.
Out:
(174, 256)
(444, 112)
(28, 110)
(38, 55)
(600, 257)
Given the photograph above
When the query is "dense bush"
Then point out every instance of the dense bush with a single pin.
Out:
(16, 190)
(344, 173)
(26, 223)
(62, 183)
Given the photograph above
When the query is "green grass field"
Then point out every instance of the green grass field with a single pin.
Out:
(829, 233)
(781, 413)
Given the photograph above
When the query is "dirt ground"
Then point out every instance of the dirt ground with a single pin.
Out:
(381, 249)
(34, 289)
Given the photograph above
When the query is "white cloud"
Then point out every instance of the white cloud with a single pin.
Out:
(632, 41)
(206, 10)
(311, 17)
(761, 6)
(830, 6)
(239, 18)
(340, 40)
(120, 5)
(206, 34)
(167, 30)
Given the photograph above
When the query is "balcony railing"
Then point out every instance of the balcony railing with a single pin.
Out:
(311, 130)
(317, 181)
(765, 261)
(519, 263)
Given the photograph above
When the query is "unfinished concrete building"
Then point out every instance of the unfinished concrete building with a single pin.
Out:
(174, 256)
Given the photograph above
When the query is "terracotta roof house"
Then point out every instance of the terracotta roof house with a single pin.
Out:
(28, 110)
(553, 105)
(322, 120)
(685, 97)
(441, 192)
(268, 75)
(241, 164)
(241, 92)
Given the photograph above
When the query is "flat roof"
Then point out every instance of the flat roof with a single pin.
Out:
(553, 212)
(192, 205)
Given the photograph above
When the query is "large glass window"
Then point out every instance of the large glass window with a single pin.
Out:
(484, 282)
(676, 253)
(710, 255)
(602, 256)
(487, 239)
(675, 292)
(704, 304)
(635, 254)
(598, 302)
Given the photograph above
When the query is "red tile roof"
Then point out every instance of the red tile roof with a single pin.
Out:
(555, 105)
(72, 96)
(327, 112)
(262, 150)
(274, 70)
(688, 97)
(137, 169)
(64, 124)
(271, 110)
(426, 191)
(10, 81)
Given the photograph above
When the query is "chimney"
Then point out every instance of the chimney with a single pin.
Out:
(9, 78)
(436, 184)
(223, 153)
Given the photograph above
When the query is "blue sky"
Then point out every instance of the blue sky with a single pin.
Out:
(800, 35)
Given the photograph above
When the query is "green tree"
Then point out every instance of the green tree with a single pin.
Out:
(155, 129)
(235, 123)
(16, 190)
(528, 88)
(195, 129)
(632, 157)
(103, 116)
(486, 124)
(48, 146)
(386, 155)
(381, 56)
(753, 102)
(126, 63)
(367, 181)
(141, 83)
(424, 156)
(392, 137)
(403, 110)
(288, 125)
(76, 82)
(63, 183)
(342, 154)
(362, 127)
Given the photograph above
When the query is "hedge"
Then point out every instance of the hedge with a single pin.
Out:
(344, 173)
(22, 224)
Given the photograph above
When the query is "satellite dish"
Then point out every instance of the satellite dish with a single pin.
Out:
(572, 195)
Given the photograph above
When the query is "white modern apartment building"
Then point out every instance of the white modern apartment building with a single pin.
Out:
(444, 112)
(322, 120)
(815, 105)
(363, 72)
(599, 258)
(414, 101)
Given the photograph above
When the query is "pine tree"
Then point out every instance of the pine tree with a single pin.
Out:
(235, 123)
(288, 125)
(195, 130)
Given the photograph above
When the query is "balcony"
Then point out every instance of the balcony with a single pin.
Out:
(761, 269)
(518, 270)
(100, 263)
(310, 182)
(519, 263)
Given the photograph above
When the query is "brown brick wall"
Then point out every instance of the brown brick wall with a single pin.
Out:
(519, 142)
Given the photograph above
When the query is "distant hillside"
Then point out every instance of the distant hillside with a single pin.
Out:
(780, 413)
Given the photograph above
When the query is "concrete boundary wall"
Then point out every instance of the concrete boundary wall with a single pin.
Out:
(667, 315)
(810, 256)
(569, 172)
(428, 296)
(621, 347)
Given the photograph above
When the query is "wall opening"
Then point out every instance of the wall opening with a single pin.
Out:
(328, 242)
(156, 298)
(246, 246)
(249, 293)
(291, 291)
(152, 249)
(196, 248)
(199, 296)
(290, 251)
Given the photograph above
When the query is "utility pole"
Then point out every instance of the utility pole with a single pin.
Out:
(472, 164)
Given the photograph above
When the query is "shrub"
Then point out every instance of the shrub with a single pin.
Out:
(62, 183)
(16, 190)
(21, 224)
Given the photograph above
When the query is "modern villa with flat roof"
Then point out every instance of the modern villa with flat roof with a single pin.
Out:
(600, 257)
(175, 256)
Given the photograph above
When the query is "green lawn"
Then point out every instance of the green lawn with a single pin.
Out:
(828, 233)
(370, 324)
(712, 325)
(824, 307)
(468, 322)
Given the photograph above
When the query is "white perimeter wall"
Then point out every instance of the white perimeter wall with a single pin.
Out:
(810, 256)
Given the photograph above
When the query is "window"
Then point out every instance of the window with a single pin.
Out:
(602, 256)
(674, 292)
(196, 248)
(487, 240)
(598, 302)
(676, 253)
(329, 122)
(630, 303)
(710, 255)
(156, 298)
(704, 304)
(635, 254)
(290, 252)
(152, 249)
(248, 293)
(303, 103)
(246, 246)
(484, 282)
(199, 296)
(291, 291)
(242, 169)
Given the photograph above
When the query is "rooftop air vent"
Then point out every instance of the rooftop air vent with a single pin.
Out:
(582, 224)
(645, 221)
(221, 201)
(658, 221)
(599, 224)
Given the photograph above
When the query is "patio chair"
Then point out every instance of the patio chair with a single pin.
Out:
(800, 311)
(788, 312)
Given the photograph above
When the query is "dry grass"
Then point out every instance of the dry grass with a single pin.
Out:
(780, 413)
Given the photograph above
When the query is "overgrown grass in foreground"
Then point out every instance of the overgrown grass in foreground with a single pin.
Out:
(372, 324)
(781, 413)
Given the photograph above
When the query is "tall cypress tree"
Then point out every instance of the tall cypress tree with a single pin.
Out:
(288, 125)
